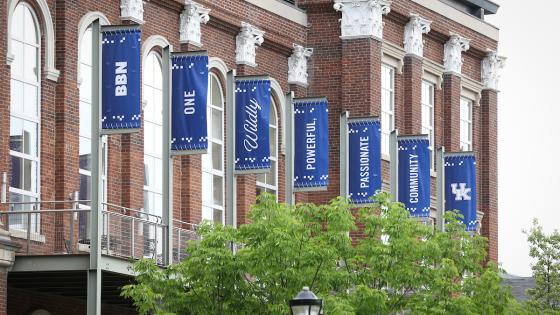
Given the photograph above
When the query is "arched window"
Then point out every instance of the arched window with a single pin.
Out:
(268, 182)
(152, 90)
(213, 162)
(25, 113)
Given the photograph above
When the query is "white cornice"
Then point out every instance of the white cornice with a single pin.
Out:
(282, 9)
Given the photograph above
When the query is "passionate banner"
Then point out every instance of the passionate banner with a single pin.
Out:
(414, 174)
(189, 132)
(460, 186)
(252, 101)
(120, 73)
(311, 144)
(364, 159)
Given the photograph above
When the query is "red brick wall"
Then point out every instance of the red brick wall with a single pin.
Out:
(451, 111)
(412, 109)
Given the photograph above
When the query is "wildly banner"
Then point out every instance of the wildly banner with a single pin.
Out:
(414, 175)
(364, 160)
(311, 144)
(460, 186)
(189, 88)
(120, 73)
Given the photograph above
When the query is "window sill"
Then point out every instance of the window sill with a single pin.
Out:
(22, 234)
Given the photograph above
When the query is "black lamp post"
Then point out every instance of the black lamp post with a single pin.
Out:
(306, 303)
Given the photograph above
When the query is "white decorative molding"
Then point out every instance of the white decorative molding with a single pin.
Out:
(47, 27)
(393, 55)
(413, 42)
(280, 110)
(219, 65)
(297, 65)
(154, 41)
(452, 54)
(246, 44)
(362, 18)
(83, 25)
(432, 72)
(492, 65)
(132, 10)
(192, 16)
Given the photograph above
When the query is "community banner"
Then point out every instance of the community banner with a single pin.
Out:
(460, 186)
(189, 88)
(311, 144)
(414, 174)
(252, 101)
(364, 159)
(120, 79)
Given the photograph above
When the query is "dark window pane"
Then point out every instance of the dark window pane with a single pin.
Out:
(85, 187)
(16, 180)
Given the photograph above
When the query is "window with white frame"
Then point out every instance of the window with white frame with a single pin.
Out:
(268, 182)
(25, 115)
(466, 124)
(428, 115)
(213, 161)
(387, 106)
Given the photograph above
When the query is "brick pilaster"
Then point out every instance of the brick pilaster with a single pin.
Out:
(451, 111)
(412, 77)
(191, 189)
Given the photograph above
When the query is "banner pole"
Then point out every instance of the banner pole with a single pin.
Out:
(344, 154)
(167, 167)
(289, 158)
(440, 195)
(231, 180)
(394, 163)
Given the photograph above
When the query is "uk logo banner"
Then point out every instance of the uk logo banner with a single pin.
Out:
(120, 79)
(189, 88)
(364, 160)
(311, 144)
(252, 101)
(460, 186)
(414, 174)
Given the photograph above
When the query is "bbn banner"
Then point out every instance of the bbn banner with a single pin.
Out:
(189, 132)
(252, 100)
(414, 175)
(460, 186)
(364, 160)
(120, 108)
(311, 144)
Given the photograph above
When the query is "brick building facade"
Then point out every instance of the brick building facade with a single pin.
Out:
(423, 66)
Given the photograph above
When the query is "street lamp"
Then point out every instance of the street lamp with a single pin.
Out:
(306, 303)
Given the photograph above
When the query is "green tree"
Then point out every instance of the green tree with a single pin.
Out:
(545, 249)
(397, 264)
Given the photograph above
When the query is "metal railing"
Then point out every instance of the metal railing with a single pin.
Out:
(183, 233)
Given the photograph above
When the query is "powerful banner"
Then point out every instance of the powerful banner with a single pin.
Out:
(311, 144)
(252, 101)
(414, 174)
(460, 186)
(189, 88)
(120, 73)
(364, 159)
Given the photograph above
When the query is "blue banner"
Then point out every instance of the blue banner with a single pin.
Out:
(189, 90)
(364, 160)
(311, 144)
(120, 108)
(252, 101)
(460, 186)
(414, 175)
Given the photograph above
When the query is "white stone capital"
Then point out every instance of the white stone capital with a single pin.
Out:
(492, 65)
(297, 65)
(246, 44)
(452, 58)
(192, 16)
(132, 10)
(413, 43)
(362, 18)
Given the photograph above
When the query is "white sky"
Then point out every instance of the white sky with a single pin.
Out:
(528, 125)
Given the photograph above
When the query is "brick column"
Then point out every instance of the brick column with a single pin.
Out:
(488, 169)
(451, 111)
(412, 81)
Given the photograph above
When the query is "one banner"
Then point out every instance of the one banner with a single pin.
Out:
(252, 110)
(189, 88)
(414, 174)
(120, 108)
(364, 159)
(311, 144)
(460, 186)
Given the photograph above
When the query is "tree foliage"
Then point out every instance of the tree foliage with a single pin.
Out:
(397, 264)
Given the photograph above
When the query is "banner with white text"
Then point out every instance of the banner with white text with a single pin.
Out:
(364, 160)
(311, 144)
(460, 186)
(252, 102)
(189, 88)
(120, 73)
(414, 175)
